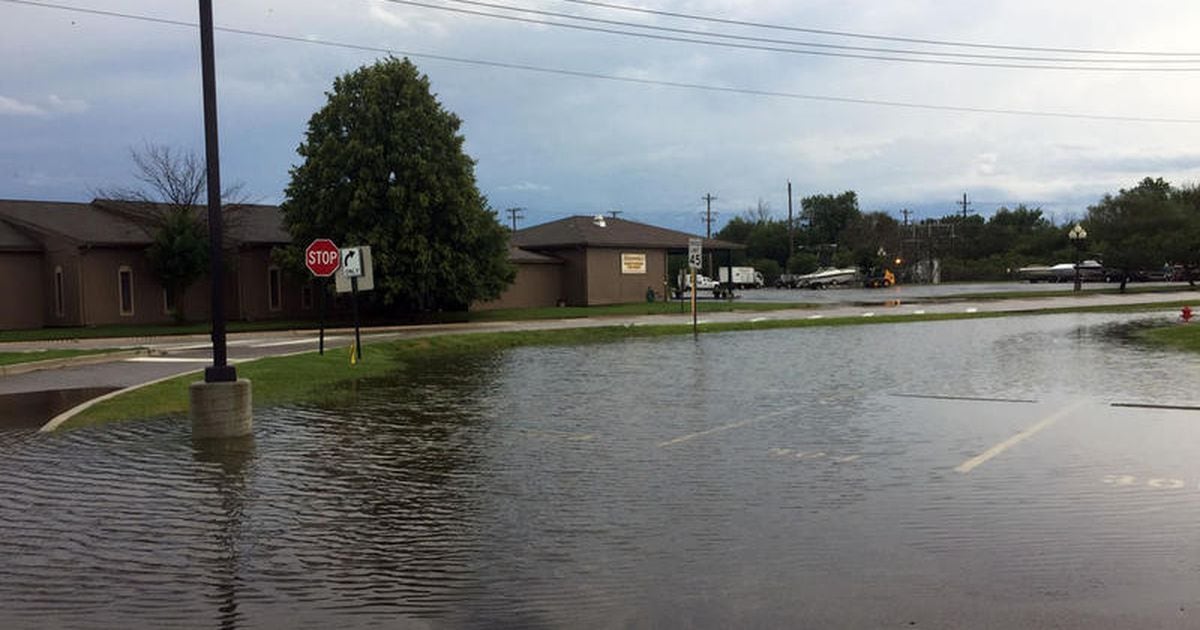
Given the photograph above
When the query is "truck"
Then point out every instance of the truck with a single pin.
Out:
(703, 282)
(743, 277)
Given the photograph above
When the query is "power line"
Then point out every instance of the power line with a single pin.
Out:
(819, 53)
(515, 214)
(633, 80)
(890, 38)
(766, 40)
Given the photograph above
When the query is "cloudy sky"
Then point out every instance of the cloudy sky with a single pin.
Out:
(564, 134)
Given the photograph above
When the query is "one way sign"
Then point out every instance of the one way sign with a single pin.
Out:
(352, 262)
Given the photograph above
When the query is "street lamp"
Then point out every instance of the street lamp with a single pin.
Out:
(1077, 235)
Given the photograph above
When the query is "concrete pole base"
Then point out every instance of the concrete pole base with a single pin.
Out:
(220, 410)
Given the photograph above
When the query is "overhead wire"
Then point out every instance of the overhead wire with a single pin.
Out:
(788, 42)
(876, 37)
(779, 49)
(609, 77)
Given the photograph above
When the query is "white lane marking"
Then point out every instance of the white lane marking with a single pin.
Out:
(175, 360)
(919, 312)
(868, 314)
(815, 316)
(972, 310)
(193, 346)
(978, 460)
(701, 321)
(759, 319)
(293, 342)
(727, 427)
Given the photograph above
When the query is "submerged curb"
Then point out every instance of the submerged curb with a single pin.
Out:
(86, 359)
(58, 420)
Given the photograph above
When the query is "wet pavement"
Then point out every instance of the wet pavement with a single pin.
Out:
(967, 473)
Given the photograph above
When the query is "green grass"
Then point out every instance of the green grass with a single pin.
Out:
(614, 310)
(1175, 336)
(15, 358)
(329, 379)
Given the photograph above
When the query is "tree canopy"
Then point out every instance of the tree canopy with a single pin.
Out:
(384, 166)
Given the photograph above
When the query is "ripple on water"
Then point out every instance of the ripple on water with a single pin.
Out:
(531, 487)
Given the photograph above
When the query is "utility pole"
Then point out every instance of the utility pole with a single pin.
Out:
(791, 231)
(708, 219)
(708, 199)
(514, 214)
(964, 203)
(614, 213)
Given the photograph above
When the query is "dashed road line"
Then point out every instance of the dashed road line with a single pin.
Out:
(727, 427)
(970, 398)
(982, 458)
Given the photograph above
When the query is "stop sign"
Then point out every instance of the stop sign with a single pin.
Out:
(322, 258)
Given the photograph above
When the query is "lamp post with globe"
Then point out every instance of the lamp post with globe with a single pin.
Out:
(1078, 236)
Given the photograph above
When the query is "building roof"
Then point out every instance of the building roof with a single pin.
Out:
(111, 223)
(522, 256)
(12, 239)
(611, 232)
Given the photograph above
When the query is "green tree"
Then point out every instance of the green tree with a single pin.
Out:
(384, 166)
(1138, 228)
(827, 215)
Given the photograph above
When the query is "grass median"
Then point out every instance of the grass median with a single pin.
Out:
(33, 356)
(330, 379)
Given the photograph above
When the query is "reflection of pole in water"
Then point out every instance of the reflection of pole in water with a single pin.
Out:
(231, 457)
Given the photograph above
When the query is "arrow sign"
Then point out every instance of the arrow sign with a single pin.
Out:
(352, 262)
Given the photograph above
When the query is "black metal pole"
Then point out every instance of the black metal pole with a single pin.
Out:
(357, 339)
(324, 297)
(219, 371)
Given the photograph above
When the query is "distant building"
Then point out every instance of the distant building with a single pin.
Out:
(84, 264)
(588, 261)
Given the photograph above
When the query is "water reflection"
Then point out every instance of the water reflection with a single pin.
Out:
(31, 410)
(766, 478)
(223, 466)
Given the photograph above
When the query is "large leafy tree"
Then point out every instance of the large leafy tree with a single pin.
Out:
(384, 166)
(1139, 228)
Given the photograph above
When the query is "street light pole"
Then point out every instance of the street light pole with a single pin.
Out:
(1077, 235)
(220, 371)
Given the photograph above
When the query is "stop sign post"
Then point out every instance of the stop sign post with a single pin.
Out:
(322, 259)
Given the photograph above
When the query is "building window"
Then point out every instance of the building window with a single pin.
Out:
(274, 289)
(168, 301)
(60, 302)
(306, 297)
(125, 288)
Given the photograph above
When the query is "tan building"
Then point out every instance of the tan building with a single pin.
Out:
(84, 264)
(586, 261)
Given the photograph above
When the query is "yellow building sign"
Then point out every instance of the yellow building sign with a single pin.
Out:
(633, 263)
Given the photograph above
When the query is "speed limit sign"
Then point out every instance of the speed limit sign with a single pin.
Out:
(694, 253)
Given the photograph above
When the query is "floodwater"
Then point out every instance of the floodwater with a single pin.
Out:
(30, 410)
(920, 292)
(787, 478)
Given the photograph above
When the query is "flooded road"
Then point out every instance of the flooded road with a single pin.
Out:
(965, 473)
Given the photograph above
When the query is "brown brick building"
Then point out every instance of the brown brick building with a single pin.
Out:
(84, 264)
(587, 261)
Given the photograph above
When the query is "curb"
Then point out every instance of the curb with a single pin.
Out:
(54, 422)
(87, 359)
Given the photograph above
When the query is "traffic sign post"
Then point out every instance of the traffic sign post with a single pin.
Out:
(352, 267)
(322, 259)
(695, 259)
